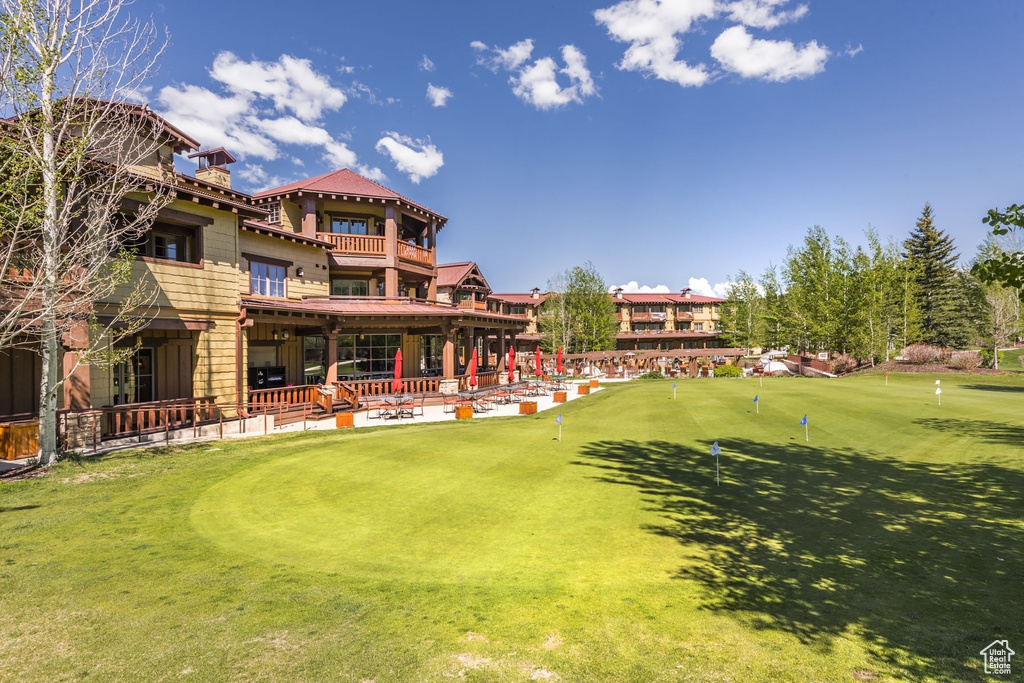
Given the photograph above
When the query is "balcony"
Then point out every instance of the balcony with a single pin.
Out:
(415, 254)
(649, 317)
(376, 246)
(357, 245)
(471, 305)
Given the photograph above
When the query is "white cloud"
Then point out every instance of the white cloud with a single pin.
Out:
(360, 90)
(763, 13)
(772, 60)
(702, 287)
(426, 64)
(634, 287)
(438, 96)
(537, 83)
(652, 27)
(418, 158)
(290, 82)
(247, 117)
(654, 31)
(853, 51)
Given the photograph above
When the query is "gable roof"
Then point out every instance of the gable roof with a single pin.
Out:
(345, 182)
(454, 274)
(519, 299)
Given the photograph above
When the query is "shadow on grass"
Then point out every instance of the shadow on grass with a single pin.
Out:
(923, 561)
(992, 432)
(996, 387)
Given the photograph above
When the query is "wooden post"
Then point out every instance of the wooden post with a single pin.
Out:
(309, 216)
(448, 362)
(167, 427)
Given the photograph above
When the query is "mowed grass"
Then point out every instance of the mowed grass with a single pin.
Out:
(888, 547)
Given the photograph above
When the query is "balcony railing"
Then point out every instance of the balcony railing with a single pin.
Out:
(415, 253)
(658, 316)
(471, 305)
(363, 245)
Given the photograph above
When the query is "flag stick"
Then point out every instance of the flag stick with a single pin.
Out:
(807, 436)
(559, 432)
(718, 481)
(757, 407)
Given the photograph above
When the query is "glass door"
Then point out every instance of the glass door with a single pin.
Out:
(134, 379)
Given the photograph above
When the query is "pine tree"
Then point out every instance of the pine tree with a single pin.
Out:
(932, 254)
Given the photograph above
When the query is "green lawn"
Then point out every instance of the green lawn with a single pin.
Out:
(1011, 360)
(889, 547)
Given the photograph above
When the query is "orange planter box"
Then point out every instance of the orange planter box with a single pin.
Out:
(344, 420)
(463, 412)
(583, 389)
(546, 378)
(527, 407)
(19, 441)
(560, 397)
(593, 384)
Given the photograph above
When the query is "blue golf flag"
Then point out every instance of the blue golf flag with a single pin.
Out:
(715, 450)
(673, 386)
(755, 398)
(803, 421)
(558, 420)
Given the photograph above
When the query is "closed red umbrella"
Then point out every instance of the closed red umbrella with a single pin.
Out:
(559, 360)
(397, 385)
(536, 363)
(472, 369)
(511, 365)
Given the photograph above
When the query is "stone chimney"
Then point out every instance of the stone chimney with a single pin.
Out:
(618, 293)
(213, 166)
(535, 293)
(685, 292)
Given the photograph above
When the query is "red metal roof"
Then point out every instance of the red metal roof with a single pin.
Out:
(666, 335)
(451, 274)
(344, 182)
(383, 307)
(667, 299)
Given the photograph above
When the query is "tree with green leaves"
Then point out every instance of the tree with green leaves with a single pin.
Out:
(67, 68)
(742, 314)
(774, 309)
(887, 313)
(1007, 266)
(578, 314)
(934, 260)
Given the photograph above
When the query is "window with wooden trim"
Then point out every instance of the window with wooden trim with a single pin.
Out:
(266, 279)
(275, 213)
(340, 287)
(698, 327)
(168, 242)
(698, 308)
(349, 226)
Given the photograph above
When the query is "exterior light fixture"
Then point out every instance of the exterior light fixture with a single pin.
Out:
(274, 334)
(284, 335)
(300, 271)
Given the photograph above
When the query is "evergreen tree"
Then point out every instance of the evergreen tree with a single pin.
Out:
(931, 253)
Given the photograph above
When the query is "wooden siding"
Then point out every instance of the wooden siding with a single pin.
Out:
(20, 370)
(315, 280)
(211, 289)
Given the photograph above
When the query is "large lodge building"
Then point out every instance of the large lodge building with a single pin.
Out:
(318, 281)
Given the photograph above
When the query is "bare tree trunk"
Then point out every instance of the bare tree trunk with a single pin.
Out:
(48, 295)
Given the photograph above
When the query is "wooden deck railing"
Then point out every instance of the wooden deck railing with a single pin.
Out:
(382, 387)
(415, 253)
(129, 419)
(369, 245)
(471, 305)
(297, 395)
(488, 378)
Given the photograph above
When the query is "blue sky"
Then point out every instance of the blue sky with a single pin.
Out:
(663, 141)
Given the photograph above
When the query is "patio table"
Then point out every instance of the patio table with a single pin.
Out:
(396, 407)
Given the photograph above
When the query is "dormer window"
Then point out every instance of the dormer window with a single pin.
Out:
(275, 213)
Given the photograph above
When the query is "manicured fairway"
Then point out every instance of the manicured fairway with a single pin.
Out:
(888, 547)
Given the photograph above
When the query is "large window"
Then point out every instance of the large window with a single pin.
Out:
(350, 287)
(266, 279)
(169, 243)
(432, 363)
(698, 308)
(349, 226)
(363, 356)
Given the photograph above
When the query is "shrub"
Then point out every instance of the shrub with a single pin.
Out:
(965, 360)
(654, 374)
(919, 354)
(987, 357)
(842, 364)
(728, 371)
